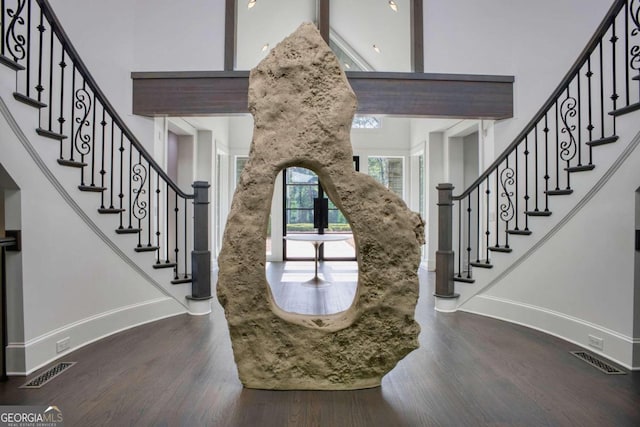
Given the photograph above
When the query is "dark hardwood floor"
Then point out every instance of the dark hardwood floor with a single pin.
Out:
(469, 371)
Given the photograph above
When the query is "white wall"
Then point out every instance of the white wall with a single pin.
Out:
(67, 280)
(578, 279)
(535, 41)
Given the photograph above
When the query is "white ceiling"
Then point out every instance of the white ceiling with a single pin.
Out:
(361, 23)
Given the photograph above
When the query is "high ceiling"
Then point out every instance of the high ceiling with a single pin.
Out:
(360, 23)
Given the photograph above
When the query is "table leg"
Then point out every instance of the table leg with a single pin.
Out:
(316, 246)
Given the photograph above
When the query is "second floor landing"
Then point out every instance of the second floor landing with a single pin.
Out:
(201, 93)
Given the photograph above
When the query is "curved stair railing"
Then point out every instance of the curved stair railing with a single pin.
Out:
(538, 165)
(93, 138)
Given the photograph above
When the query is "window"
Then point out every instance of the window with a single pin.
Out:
(388, 171)
(365, 122)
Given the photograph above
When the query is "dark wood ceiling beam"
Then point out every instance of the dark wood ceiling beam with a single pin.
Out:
(402, 94)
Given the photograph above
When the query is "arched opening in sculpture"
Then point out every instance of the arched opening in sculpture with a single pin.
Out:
(318, 274)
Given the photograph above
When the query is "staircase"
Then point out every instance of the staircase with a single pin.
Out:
(561, 162)
(147, 208)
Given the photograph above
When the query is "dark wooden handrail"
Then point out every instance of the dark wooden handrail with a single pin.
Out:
(575, 68)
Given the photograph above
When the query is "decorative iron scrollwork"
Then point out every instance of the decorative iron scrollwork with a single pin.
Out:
(634, 52)
(139, 206)
(568, 148)
(507, 179)
(82, 102)
(15, 42)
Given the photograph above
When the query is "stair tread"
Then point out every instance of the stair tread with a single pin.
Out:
(603, 141)
(564, 192)
(91, 188)
(29, 101)
(110, 210)
(164, 265)
(581, 168)
(500, 249)
(128, 230)
(181, 280)
(50, 134)
(519, 232)
(10, 63)
(146, 248)
(538, 213)
(463, 279)
(71, 163)
(625, 110)
(483, 263)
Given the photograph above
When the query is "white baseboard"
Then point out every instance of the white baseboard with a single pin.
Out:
(25, 358)
(617, 347)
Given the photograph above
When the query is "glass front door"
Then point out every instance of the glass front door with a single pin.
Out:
(307, 209)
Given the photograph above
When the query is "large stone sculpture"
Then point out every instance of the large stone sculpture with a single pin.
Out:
(303, 107)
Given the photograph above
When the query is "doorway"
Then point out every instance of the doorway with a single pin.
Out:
(308, 210)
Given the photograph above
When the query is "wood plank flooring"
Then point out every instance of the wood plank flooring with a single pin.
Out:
(295, 291)
(469, 371)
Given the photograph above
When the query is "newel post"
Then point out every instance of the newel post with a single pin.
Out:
(201, 255)
(444, 254)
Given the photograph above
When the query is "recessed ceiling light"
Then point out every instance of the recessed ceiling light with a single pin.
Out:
(251, 4)
(376, 48)
(265, 47)
(346, 65)
(392, 5)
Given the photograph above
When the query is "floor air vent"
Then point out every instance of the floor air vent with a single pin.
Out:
(597, 363)
(48, 375)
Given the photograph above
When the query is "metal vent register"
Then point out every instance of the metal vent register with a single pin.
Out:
(48, 375)
(597, 363)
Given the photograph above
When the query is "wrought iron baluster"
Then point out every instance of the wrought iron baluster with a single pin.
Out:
(166, 223)
(139, 206)
(497, 202)
(568, 147)
(93, 142)
(535, 130)
(158, 219)
(626, 49)
(478, 226)
(28, 70)
(186, 251)
(487, 229)
(468, 233)
(526, 182)
(2, 27)
(131, 208)
(39, 87)
(578, 128)
(73, 113)
(14, 42)
(111, 169)
(460, 238)
(516, 173)
(82, 140)
(103, 123)
(150, 201)
(634, 62)
(614, 95)
(121, 194)
(61, 119)
(507, 211)
(589, 75)
(546, 163)
(601, 90)
(50, 104)
(557, 149)
(176, 250)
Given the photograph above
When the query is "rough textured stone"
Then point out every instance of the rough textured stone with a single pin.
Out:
(303, 107)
